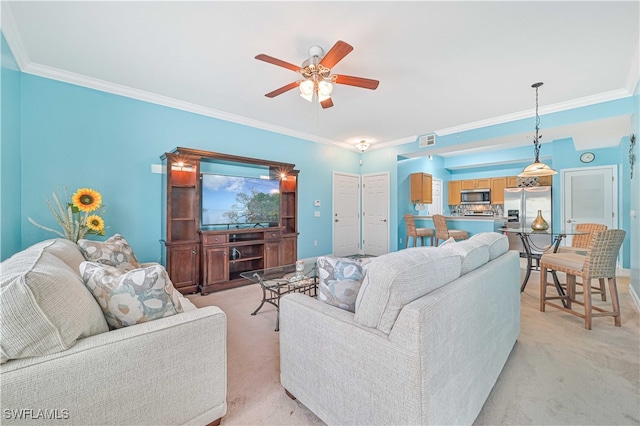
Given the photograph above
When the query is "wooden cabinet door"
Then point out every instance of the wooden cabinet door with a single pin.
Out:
(272, 254)
(482, 183)
(454, 192)
(545, 180)
(182, 266)
(215, 265)
(421, 188)
(467, 184)
(512, 181)
(289, 252)
(497, 190)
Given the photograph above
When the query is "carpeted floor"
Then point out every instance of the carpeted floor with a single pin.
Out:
(558, 372)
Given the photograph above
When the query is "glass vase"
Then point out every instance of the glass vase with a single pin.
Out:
(539, 224)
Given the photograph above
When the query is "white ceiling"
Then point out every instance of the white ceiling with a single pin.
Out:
(441, 65)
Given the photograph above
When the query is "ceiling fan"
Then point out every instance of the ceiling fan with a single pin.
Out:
(318, 80)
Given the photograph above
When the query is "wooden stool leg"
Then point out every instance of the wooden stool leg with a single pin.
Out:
(571, 289)
(406, 241)
(615, 303)
(543, 287)
(586, 285)
(603, 291)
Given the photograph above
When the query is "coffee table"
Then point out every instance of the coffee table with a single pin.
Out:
(280, 280)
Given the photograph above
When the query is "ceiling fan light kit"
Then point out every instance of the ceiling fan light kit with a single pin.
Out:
(318, 81)
(537, 168)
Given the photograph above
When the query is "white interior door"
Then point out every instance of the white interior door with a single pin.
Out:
(346, 214)
(590, 195)
(375, 214)
(436, 199)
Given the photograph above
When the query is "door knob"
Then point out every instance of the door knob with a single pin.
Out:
(383, 220)
(337, 220)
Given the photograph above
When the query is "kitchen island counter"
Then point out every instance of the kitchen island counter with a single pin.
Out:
(472, 224)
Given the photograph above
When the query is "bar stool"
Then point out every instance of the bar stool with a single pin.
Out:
(444, 233)
(579, 244)
(414, 232)
(598, 263)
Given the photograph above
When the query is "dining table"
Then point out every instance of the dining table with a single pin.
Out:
(532, 252)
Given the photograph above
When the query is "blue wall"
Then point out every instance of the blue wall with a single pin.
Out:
(10, 202)
(76, 137)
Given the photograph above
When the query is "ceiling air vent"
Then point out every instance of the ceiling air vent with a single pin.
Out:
(427, 140)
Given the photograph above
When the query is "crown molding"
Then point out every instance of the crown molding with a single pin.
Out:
(562, 106)
(11, 33)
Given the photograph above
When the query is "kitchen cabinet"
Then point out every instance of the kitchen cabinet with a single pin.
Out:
(454, 192)
(497, 190)
(421, 188)
(475, 184)
(512, 181)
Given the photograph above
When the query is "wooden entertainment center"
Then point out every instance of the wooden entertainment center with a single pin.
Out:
(211, 258)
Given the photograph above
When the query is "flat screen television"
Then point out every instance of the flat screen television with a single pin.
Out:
(236, 201)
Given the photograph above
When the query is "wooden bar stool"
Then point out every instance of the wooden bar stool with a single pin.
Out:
(579, 244)
(598, 263)
(444, 233)
(416, 233)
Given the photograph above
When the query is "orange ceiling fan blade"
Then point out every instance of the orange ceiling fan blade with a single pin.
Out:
(278, 62)
(283, 89)
(327, 103)
(336, 53)
(365, 83)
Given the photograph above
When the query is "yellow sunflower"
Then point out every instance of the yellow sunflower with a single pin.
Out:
(95, 223)
(86, 199)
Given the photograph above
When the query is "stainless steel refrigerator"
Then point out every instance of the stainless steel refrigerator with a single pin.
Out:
(521, 206)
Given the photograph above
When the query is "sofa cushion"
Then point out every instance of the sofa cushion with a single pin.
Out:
(498, 243)
(113, 252)
(131, 297)
(44, 305)
(339, 281)
(396, 279)
(474, 253)
(65, 250)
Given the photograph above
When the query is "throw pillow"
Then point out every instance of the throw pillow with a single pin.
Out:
(44, 306)
(339, 281)
(131, 297)
(113, 252)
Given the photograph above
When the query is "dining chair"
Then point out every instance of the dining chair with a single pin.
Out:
(579, 244)
(444, 233)
(416, 233)
(598, 263)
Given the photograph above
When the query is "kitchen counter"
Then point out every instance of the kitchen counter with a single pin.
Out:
(463, 218)
(472, 224)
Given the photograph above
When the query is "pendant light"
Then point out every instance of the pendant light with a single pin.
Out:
(537, 168)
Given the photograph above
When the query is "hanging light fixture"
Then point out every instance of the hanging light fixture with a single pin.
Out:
(537, 168)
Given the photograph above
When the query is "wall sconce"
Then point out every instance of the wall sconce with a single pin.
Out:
(182, 167)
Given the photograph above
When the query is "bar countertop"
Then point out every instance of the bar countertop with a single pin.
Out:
(471, 218)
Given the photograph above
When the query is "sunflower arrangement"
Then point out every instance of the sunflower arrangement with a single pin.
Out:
(78, 218)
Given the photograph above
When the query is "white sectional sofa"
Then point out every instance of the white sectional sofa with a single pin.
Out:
(61, 365)
(431, 332)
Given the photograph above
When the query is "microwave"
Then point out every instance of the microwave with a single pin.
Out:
(475, 196)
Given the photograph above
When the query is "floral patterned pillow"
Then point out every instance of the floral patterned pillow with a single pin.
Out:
(113, 252)
(131, 297)
(340, 281)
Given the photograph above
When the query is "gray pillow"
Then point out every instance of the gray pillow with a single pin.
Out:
(339, 281)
